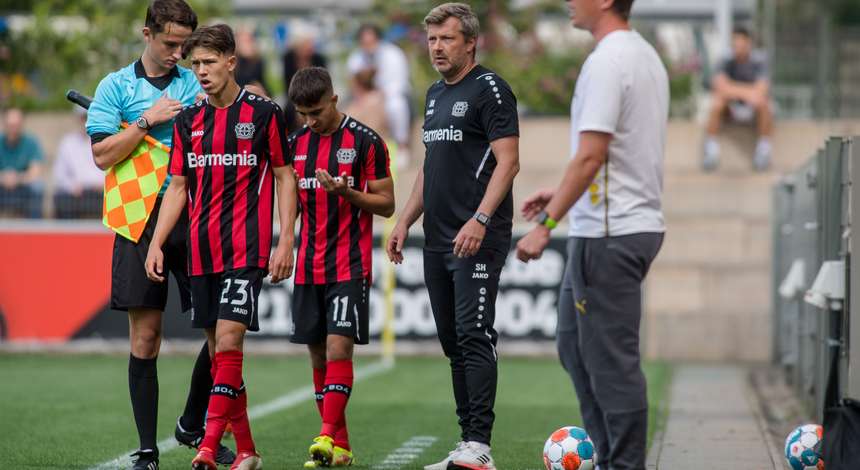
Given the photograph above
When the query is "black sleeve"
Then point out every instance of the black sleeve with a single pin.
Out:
(725, 67)
(98, 137)
(497, 110)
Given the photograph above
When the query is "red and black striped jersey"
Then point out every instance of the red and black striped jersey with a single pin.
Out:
(228, 155)
(335, 237)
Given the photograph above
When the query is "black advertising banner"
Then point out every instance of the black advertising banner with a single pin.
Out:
(525, 307)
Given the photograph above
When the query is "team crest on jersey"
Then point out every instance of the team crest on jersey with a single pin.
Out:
(245, 130)
(460, 108)
(346, 156)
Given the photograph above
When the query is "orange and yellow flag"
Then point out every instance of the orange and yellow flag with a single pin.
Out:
(132, 186)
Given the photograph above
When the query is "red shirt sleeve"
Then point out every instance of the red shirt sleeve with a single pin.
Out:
(177, 152)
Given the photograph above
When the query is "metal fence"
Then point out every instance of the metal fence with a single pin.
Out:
(812, 286)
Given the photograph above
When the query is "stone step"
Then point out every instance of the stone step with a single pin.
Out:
(705, 195)
(692, 290)
(715, 241)
(708, 336)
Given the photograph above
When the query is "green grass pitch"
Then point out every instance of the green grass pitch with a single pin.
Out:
(73, 412)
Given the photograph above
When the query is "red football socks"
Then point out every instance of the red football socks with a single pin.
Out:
(341, 436)
(319, 383)
(241, 425)
(228, 401)
(338, 386)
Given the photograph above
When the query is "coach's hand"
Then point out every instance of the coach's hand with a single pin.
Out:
(469, 240)
(396, 239)
(536, 203)
(337, 186)
(165, 109)
(281, 264)
(154, 264)
(532, 245)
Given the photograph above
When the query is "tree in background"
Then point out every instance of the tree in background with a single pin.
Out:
(542, 77)
(49, 46)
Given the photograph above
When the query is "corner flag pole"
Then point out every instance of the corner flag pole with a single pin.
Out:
(389, 283)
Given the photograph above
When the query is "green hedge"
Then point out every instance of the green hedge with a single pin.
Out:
(74, 43)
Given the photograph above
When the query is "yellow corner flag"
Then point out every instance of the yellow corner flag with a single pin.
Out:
(132, 186)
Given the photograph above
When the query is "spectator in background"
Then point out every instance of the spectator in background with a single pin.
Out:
(367, 103)
(741, 89)
(300, 55)
(392, 78)
(20, 168)
(250, 67)
(78, 182)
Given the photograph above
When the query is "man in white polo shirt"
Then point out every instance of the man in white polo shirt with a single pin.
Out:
(618, 133)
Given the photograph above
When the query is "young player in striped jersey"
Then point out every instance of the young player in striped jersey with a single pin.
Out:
(343, 176)
(148, 94)
(227, 152)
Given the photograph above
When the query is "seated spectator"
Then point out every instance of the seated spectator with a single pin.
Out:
(741, 90)
(78, 182)
(20, 168)
(367, 103)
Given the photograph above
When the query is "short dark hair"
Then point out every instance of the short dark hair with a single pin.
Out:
(218, 38)
(309, 86)
(375, 29)
(623, 7)
(742, 31)
(161, 12)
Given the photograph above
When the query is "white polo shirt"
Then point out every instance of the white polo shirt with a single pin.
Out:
(623, 90)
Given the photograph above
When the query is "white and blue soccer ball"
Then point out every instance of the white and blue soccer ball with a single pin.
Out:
(803, 448)
(569, 448)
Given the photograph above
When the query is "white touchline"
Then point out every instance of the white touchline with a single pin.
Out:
(283, 402)
(406, 453)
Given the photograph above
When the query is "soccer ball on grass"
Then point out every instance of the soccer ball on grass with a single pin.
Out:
(569, 448)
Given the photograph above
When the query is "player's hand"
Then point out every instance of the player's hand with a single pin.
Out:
(165, 109)
(532, 245)
(536, 203)
(281, 264)
(394, 248)
(468, 240)
(337, 186)
(154, 264)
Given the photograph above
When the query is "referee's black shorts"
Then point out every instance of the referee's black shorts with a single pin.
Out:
(130, 288)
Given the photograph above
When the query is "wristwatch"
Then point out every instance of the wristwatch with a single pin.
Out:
(142, 123)
(544, 219)
(482, 218)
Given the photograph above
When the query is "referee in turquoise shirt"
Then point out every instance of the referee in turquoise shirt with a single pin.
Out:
(148, 94)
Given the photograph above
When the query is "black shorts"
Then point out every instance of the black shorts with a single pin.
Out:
(130, 288)
(230, 295)
(338, 308)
